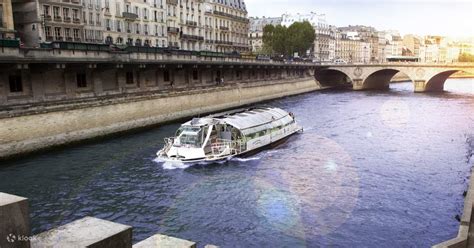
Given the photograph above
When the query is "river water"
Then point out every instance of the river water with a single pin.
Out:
(372, 169)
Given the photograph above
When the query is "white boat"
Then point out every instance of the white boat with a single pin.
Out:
(225, 135)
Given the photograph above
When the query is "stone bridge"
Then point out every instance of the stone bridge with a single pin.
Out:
(425, 77)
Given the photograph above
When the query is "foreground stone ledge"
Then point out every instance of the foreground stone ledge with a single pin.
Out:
(163, 241)
(86, 232)
(14, 221)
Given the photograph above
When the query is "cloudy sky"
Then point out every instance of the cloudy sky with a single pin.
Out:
(442, 17)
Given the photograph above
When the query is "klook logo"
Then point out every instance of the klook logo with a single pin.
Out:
(11, 238)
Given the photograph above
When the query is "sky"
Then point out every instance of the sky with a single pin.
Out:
(453, 18)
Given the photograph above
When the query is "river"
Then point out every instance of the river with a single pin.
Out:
(372, 169)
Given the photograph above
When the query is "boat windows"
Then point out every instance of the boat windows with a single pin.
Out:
(187, 129)
(190, 139)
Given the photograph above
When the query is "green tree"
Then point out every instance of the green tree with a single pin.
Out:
(267, 38)
(299, 37)
(280, 40)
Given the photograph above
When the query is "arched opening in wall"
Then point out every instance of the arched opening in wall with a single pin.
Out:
(331, 77)
(382, 79)
(452, 80)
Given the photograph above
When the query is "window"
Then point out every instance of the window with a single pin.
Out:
(57, 32)
(67, 32)
(46, 10)
(129, 77)
(195, 75)
(75, 14)
(76, 33)
(15, 83)
(81, 80)
(66, 12)
(47, 30)
(166, 76)
(56, 12)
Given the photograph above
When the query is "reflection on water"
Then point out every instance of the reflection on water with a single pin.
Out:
(384, 168)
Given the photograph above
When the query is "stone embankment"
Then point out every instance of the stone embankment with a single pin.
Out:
(31, 128)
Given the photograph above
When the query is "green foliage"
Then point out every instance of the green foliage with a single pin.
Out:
(299, 37)
(466, 57)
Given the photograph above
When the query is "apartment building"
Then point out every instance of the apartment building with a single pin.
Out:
(40, 21)
(212, 25)
(226, 26)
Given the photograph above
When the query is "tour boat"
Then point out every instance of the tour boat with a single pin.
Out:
(229, 134)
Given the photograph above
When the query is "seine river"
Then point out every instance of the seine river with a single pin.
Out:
(372, 169)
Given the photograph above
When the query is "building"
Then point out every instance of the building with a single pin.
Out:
(212, 25)
(7, 29)
(325, 35)
(366, 34)
(412, 45)
(256, 31)
(227, 26)
(40, 21)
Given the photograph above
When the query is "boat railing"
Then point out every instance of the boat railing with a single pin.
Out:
(227, 147)
(168, 144)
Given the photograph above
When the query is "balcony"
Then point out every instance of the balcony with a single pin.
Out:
(129, 16)
(236, 18)
(191, 23)
(76, 20)
(69, 39)
(58, 38)
(76, 1)
(224, 28)
(173, 30)
(67, 19)
(221, 42)
(49, 38)
(192, 37)
(47, 18)
(57, 19)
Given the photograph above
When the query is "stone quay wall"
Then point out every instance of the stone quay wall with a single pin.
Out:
(29, 129)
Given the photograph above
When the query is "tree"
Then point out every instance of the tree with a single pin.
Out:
(302, 37)
(267, 38)
(299, 37)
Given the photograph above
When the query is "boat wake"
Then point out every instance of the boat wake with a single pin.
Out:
(167, 165)
(245, 159)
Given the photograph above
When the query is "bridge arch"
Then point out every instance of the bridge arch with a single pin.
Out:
(436, 82)
(332, 77)
(380, 79)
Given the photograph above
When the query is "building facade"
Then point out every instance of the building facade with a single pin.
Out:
(211, 25)
(7, 29)
(256, 31)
